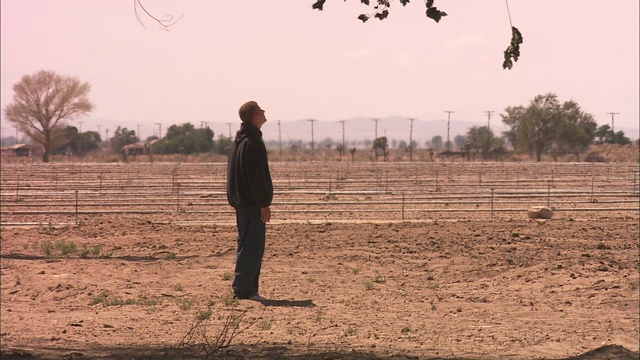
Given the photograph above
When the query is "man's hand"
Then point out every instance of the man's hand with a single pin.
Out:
(265, 214)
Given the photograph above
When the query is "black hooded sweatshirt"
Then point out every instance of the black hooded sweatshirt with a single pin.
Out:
(248, 178)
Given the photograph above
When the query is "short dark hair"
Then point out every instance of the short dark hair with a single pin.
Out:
(248, 110)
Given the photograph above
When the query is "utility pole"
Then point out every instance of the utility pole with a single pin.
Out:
(139, 137)
(312, 142)
(612, 119)
(16, 136)
(376, 121)
(80, 127)
(449, 112)
(343, 121)
(280, 137)
(489, 113)
(411, 140)
(107, 138)
(159, 130)
(229, 129)
(2, 134)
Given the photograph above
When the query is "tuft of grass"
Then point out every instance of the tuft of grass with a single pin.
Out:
(204, 314)
(177, 287)
(350, 331)
(311, 279)
(368, 285)
(405, 330)
(355, 271)
(434, 307)
(229, 300)
(104, 299)
(378, 279)
(227, 276)
(433, 286)
(170, 256)
(265, 324)
(186, 304)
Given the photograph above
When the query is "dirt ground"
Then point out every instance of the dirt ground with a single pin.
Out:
(131, 287)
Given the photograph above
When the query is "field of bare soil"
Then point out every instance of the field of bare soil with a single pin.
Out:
(363, 261)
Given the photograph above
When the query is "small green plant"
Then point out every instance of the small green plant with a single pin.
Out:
(227, 276)
(186, 304)
(204, 314)
(434, 307)
(368, 285)
(49, 229)
(229, 300)
(350, 331)
(378, 279)
(178, 287)
(66, 247)
(405, 330)
(100, 299)
(356, 271)
(170, 256)
(433, 286)
(265, 324)
(47, 248)
(311, 279)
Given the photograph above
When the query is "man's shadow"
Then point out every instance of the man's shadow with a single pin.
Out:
(288, 303)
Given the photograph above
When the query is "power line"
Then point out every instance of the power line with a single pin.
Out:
(159, 130)
(489, 113)
(343, 121)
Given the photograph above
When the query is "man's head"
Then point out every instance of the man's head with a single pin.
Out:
(250, 112)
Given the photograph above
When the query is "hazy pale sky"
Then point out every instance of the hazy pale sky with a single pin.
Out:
(300, 63)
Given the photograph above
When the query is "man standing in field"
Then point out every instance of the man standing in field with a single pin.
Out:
(249, 192)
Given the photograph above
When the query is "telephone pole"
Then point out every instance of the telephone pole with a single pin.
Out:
(612, 119)
(312, 142)
(343, 121)
(229, 129)
(449, 112)
(280, 137)
(489, 113)
(80, 127)
(159, 130)
(376, 121)
(139, 137)
(411, 140)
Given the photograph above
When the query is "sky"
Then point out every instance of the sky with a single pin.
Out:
(300, 63)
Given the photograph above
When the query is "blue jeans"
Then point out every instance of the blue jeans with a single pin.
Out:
(251, 241)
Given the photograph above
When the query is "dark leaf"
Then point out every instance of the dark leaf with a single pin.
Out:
(366, 2)
(404, 2)
(363, 18)
(382, 15)
(429, 3)
(513, 50)
(435, 14)
(384, 3)
(318, 4)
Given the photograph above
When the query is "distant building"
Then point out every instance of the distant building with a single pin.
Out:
(22, 150)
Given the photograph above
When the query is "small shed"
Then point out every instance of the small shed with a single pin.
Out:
(23, 149)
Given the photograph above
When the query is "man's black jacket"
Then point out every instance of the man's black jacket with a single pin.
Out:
(248, 178)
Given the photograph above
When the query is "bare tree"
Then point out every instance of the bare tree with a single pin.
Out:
(42, 105)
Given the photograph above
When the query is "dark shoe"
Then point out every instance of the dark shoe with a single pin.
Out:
(258, 298)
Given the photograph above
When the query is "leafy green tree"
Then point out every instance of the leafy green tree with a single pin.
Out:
(481, 139)
(436, 143)
(380, 144)
(223, 145)
(459, 140)
(42, 105)
(185, 139)
(121, 138)
(512, 117)
(540, 123)
(604, 135)
(80, 143)
(576, 130)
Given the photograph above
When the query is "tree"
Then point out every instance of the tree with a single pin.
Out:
(121, 138)
(381, 12)
(381, 144)
(185, 139)
(512, 119)
(482, 140)
(459, 140)
(540, 123)
(576, 130)
(605, 135)
(436, 142)
(42, 105)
